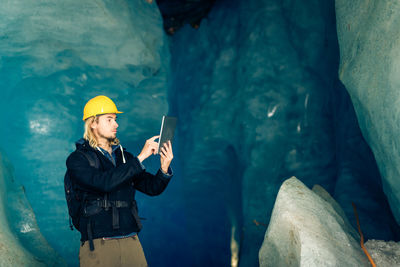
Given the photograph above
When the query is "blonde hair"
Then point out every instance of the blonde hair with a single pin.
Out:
(89, 135)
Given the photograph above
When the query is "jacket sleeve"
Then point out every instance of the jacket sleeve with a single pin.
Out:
(103, 181)
(151, 184)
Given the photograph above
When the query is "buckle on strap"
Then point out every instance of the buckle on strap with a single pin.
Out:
(121, 204)
(106, 204)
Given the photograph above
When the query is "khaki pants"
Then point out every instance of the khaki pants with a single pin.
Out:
(115, 252)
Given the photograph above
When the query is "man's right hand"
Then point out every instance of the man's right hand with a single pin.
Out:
(150, 147)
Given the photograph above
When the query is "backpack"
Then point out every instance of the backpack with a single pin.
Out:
(74, 197)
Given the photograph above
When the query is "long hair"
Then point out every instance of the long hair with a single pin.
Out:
(89, 135)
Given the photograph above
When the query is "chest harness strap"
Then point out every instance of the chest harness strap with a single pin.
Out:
(93, 207)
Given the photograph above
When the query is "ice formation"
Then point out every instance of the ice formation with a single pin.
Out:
(258, 100)
(21, 243)
(308, 228)
(369, 41)
(56, 55)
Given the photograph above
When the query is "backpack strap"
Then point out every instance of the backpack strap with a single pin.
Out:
(93, 161)
(90, 234)
(71, 226)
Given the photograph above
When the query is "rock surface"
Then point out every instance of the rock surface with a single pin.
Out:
(308, 228)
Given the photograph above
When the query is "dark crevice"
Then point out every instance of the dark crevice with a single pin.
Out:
(178, 13)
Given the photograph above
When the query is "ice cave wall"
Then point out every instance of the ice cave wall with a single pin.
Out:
(21, 242)
(258, 98)
(56, 55)
(369, 40)
(256, 93)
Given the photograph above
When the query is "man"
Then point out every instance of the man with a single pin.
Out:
(105, 177)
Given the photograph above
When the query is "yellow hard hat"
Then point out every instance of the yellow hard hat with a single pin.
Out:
(99, 105)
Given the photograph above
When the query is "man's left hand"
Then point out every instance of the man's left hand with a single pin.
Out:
(166, 156)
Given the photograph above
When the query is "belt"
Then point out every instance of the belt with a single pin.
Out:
(120, 236)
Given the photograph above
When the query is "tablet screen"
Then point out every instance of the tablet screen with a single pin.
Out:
(168, 125)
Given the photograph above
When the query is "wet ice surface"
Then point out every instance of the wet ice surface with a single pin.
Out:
(21, 243)
(369, 39)
(258, 100)
(54, 57)
(256, 93)
(384, 254)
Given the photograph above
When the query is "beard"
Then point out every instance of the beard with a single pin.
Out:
(111, 140)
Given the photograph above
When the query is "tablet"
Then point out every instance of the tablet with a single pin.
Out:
(168, 125)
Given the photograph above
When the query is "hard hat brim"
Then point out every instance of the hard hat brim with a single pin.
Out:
(117, 112)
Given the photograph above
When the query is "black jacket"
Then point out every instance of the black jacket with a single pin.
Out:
(117, 183)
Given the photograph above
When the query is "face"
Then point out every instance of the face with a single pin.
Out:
(106, 127)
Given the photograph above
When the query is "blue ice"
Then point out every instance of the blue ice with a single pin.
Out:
(258, 100)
